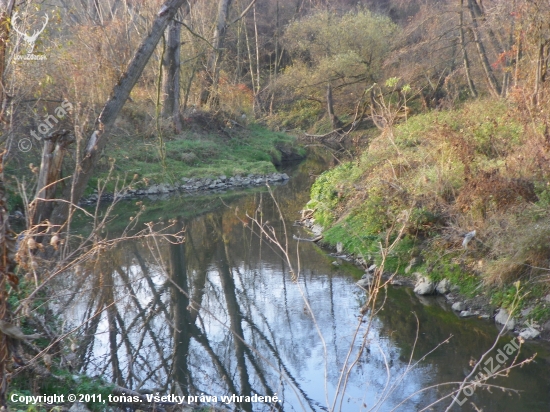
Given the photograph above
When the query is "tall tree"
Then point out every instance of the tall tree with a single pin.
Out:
(6, 11)
(211, 79)
(467, 69)
(494, 87)
(171, 75)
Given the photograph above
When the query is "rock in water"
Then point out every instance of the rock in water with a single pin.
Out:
(529, 333)
(79, 407)
(504, 318)
(466, 314)
(366, 281)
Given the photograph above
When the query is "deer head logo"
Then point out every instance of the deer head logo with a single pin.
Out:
(30, 40)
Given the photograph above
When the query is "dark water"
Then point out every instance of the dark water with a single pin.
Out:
(221, 315)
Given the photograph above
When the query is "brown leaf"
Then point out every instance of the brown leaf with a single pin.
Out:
(14, 280)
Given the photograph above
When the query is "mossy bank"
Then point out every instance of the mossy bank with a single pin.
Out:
(435, 178)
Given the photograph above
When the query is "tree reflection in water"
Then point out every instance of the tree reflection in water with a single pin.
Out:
(220, 315)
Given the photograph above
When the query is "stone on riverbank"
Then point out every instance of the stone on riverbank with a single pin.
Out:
(458, 306)
(424, 286)
(504, 318)
(529, 333)
(193, 184)
(443, 287)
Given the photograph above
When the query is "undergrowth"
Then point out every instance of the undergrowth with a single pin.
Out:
(482, 167)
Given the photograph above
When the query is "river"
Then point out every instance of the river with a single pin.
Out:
(222, 314)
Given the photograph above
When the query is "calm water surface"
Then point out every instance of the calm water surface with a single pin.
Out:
(221, 315)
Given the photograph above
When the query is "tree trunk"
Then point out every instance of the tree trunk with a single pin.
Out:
(471, 84)
(171, 76)
(539, 75)
(489, 75)
(55, 146)
(7, 277)
(111, 109)
(335, 122)
(509, 61)
(6, 10)
(481, 16)
(211, 80)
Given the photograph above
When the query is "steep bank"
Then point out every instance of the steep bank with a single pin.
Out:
(438, 177)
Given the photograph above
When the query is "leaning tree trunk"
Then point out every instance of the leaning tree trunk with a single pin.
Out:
(171, 76)
(211, 79)
(111, 109)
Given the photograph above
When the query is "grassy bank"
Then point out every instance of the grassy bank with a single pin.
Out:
(197, 152)
(143, 153)
(438, 176)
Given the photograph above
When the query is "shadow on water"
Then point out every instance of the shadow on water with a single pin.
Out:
(219, 315)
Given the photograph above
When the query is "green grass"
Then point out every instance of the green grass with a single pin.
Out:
(255, 150)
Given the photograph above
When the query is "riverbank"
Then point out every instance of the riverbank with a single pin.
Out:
(212, 149)
(466, 192)
(209, 149)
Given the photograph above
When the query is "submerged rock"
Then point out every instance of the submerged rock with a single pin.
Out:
(366, 281)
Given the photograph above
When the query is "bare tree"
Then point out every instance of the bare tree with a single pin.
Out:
(211, 80)
(467, 69)
(494, 87)
(171, 75)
